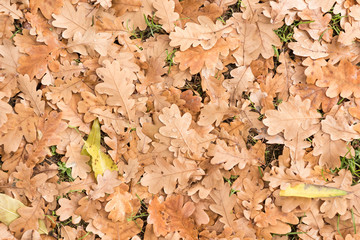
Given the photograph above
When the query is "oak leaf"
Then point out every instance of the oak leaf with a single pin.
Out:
(166, 175)
(254, 38)
(325, 5)
(74, 20)
(316, 94)
(165, 11)
(28, 88)
(105, 184)
(292, 115)
(274, 221)
(342, 80)
(172, 215)
(198, 58)
(306, 47)
(122, 6)
(285, 9)
(48, 129)
(29, 219)
(156, 217)
(88, 208)
(69, 69)
(134, 17)
(242, 81)
(318, 29)
(68, 207)
(118, 86)
(46, 7)
(77, 162)
(176, 129)
(298, 172)
(77, 185)
(190, 10)
(350, 34)
(70, 113)
(313, 71)
(18, 126)
(8, 65)
(206, 34)
(251, 196)
(332, 206)
(5, 233)
(64, 90)
(223, 205)
(338, 127)
(10, 9)
(121, 204)
(216, 112)
(230, 156)
(5, 108)
(28, 182)
(89, 42)
(329, 150)
(117, 230)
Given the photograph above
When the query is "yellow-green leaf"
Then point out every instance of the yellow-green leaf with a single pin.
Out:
(100, 161)
(8, 212)
(312, 191)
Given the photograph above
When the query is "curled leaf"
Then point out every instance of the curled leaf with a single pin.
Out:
(100, 161)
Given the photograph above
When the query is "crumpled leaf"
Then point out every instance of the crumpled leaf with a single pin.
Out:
(100, 161)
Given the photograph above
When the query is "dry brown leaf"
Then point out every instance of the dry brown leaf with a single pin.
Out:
(119, 90)
(242, 80)
(121, 204)
(316, 95)
(28, 88)
(251, 195)
(197, 58)
(5, 108)
(68, 207)
(190, 10)
(177, 129)
(77, 162)
(8, 65)
(74, 20)
(48, 128)
(166, 175)
(286, 9)
(329, 150)
(18, 126)
(29, 218)
(106, 184)
(306, 47)
(117, 230)
(122, 6)
(274, 221)
(337, 205)
(341, 80)
(338, 127)
(223, 205)
(253, 38)
(11, 9)
(293, 114)
(165, 11)
(90, 42)
(318, 29)
(205, 34)
(172, 215)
